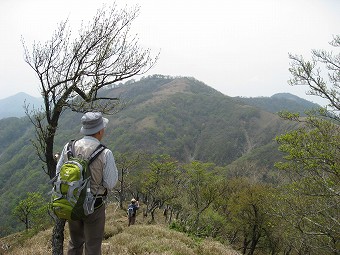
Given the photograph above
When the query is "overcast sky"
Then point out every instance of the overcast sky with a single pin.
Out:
(238, 47)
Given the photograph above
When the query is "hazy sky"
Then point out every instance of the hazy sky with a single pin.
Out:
(238, 47)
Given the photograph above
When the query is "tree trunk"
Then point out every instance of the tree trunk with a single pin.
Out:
(26, 223)
(245, 245)
(256, 232)
(152, 212)
(170, 216)
(49, 152)
(121, 193)
(58, 237)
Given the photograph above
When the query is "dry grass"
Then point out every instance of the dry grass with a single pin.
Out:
(179, 85)
(156, 239)
(139, 239)
(39, 244)
(148, 122)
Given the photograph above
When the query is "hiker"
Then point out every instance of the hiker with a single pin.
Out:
(104, 176)
(132, 211)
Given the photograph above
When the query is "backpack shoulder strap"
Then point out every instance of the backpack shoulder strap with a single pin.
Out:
(100, 148)
(70, 149)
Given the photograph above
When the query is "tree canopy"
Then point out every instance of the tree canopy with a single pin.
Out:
(310, 203)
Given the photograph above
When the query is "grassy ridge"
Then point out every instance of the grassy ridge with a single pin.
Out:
(142, 238)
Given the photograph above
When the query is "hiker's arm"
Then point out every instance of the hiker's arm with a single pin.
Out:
(110, 172)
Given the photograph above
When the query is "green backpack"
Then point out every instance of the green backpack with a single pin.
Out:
(71, 194)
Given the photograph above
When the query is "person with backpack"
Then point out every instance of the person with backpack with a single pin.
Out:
(132, 211)
(103, 176)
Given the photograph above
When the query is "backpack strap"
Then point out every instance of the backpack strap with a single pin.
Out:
(100, 148)
(70, 149)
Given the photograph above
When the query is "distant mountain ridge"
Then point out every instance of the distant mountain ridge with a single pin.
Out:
(13, 106)
(279, 102)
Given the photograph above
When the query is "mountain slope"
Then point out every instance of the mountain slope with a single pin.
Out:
(181, 117)
(13, 106)
(190, 121)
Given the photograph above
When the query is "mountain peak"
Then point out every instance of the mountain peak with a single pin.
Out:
(13, 106)
(287, 96)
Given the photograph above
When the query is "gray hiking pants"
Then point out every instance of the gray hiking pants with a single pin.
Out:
(89, 232)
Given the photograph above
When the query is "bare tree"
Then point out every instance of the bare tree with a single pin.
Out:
(73, 72)
(125, 163)
(312, 74)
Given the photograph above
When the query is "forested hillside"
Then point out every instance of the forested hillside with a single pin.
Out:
(190, 121)
(178, 116)
(181, 117)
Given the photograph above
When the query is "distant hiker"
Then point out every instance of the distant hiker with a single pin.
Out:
(132, 211)
(104, 176)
